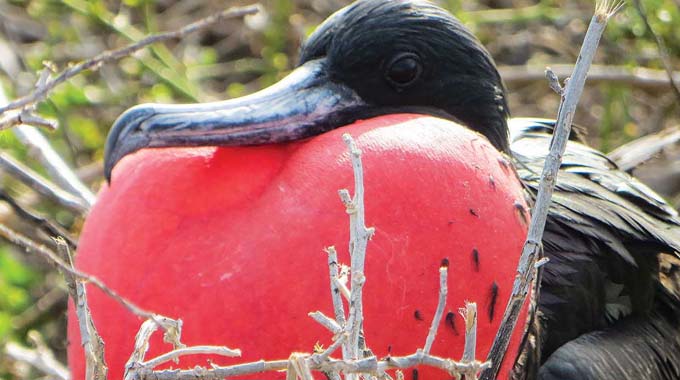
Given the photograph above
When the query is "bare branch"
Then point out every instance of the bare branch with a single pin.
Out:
(48, 227)
(93, 345)
(329, 323)
(532, 246)
(55, 165)
(443, 291)
(52, 257)
(52, 161)
(341, 281)
(13, 119)
(194, 350)
(173, 332)
(334, 273)
(109, 56)
(46, 305)
(41, 185)
(318, 358)
(663, 51)
(369, 365)
(553, 81)
(41, 357)
(298, 367)
(469, 314)
(640, 77)
(359, 237)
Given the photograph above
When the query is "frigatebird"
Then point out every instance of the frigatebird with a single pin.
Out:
(608, 306)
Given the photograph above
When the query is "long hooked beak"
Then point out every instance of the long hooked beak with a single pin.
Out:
(303, 104)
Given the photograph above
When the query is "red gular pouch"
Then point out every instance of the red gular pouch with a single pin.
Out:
(231, 240)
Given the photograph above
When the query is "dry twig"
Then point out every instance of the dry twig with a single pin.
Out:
(41, 357)
(640, 77)
(56, 167)
(113, 55)
(532, 247)
(44, 187)
(13, 119)
(52, 161)
(93, 345)
(663, 51)
(52, 257)
(359, 237)
(441, 305)
(43, 224)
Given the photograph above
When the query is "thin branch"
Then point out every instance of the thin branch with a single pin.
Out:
(329, 323)
(340, 282)
(25, 116)
(41, 357)
(298, 367)
(48, 227)
(173, 332)
(532, 247)
(441, 305)
(51, 160)
(113, 55)
(334, 273)
(640, 77)
(366, 365)
(60, 172)
(33, 180)
(631, 155)
(46, 305)
(338, 289)
(663, 51)
(469, 314)
(52, 257)
(318, 358)
(93, 345)
(554, 81)
(194, 350)
(359, 237)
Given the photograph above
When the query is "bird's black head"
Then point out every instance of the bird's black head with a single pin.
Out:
(410, 55)
(371, 58)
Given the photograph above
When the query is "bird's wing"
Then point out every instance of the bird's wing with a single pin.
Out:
(591, 193)
(613, 246)
(636, 348)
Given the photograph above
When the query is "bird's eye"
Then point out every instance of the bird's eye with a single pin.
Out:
(404, 69)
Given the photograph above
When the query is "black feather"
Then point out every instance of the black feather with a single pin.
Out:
(604, 234)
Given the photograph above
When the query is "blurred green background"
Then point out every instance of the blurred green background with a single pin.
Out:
(241, 56)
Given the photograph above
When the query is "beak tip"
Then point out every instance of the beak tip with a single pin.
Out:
(108, 169)
(126, 136)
